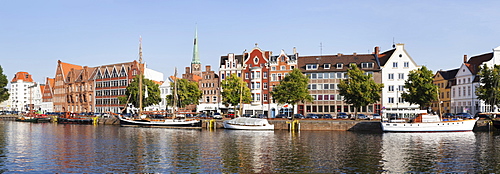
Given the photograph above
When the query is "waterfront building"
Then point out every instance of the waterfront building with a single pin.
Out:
(165, 90)
(326, 72)
(444, 80)
(47, 95)
(25, 94)
(60, 100)
(463, 97)
(279, 67)
(260, 70)
(396, 64)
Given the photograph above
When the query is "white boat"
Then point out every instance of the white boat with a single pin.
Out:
(430, 123)
(164, 123)
(244, 123)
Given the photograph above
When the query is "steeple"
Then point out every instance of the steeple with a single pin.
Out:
(196, 57)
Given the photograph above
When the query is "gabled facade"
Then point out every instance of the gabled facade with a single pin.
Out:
(60, 99)
(256, 62)
(47, 95)
(396, 64)
(279, 67)
(24, 93)
(326, 72)
(229, 64)
(444, 80)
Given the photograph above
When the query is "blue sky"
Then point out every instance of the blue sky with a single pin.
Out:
(35, 34)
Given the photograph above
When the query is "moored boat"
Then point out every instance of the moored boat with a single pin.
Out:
(164, 123)
(69, 118)
(34, 118)
(430, 123)
(244, 123)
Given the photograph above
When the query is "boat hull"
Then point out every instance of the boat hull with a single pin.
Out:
(168, 123)
(496, 123)
(75, 120)
(242, 123)
(239, 127)
(452, 126)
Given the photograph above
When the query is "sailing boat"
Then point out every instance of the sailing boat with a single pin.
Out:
(164, 123)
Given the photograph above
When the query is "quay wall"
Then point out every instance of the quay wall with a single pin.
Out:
(305, 124)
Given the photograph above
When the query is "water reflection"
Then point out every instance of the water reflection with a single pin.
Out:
(59, 148)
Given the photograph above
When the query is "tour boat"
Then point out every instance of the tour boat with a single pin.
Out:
(244, 123)
(430, 123)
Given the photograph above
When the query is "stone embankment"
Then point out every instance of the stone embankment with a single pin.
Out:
(305, 124)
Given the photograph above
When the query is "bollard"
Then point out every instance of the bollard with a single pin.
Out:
(211, 124)
(294, 125)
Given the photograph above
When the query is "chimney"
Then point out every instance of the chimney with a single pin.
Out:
(339, 54)
(294, 50)
(377, 51)
(465, 58)
(354, 54)
(207, 68)
(187, 70)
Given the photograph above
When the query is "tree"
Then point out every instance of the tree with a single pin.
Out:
(359, 89)
(420, 88)
(234, 91)
(489, 90)
(292, 89)
(187, 93)
(4, 92)
(132, 92)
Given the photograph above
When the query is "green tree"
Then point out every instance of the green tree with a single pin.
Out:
(4, 93)
(187, 93)
(292, 89)
(234, 91)
(359, 89)
(420, 88)
(132, 93)
(489, 90)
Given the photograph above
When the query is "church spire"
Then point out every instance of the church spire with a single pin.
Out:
(196, 57)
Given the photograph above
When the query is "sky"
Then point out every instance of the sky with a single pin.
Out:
(36, 34)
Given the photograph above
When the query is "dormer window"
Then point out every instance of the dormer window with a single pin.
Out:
(340, 65)
(255, 60)
(326, 66)
(311, 66)
(367, 65)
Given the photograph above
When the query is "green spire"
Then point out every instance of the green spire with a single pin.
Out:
(196, 57)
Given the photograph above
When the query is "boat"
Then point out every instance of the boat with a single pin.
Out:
(244, 123)
(430, 123)
(144, 121)
(71, 118)
(493, 116)
(164, 123)
(34, 118)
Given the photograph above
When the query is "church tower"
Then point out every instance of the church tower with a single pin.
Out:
(195, 62)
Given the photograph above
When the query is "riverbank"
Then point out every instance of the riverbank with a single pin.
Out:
(307, 124)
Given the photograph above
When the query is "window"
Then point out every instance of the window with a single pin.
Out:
(391, 100)
(394, 64)
(406, 64)
(391, 87)
(311, 66)
(367, 65)
(246, 75)
(255, 60)
(283, 67)
(339, 66)
(401, 88)
(401, 76)
(264, 75)
(391, 76)
(264, 85)
(326, 66)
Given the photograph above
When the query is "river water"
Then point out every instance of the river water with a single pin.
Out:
(65, 148)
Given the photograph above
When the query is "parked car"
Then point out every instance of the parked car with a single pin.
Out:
(362, 117)
(231, 115)
(376, 116)
(281, 116)
(247, 115)
(217, 116)
(342, 115)
(328, 116)
(262, 116)
(298, 116)
(448, 115)
(311, 116)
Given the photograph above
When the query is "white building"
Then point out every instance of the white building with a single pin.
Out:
(24, 93)
(396, 64)
(463, 97)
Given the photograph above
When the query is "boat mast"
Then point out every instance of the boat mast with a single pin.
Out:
(140, 76)
(174, 97)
